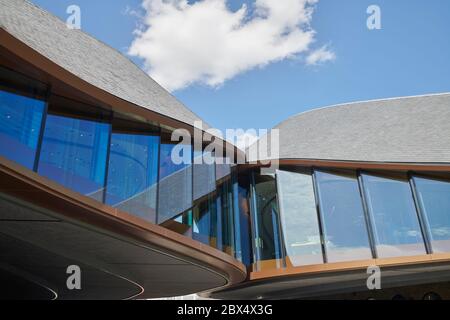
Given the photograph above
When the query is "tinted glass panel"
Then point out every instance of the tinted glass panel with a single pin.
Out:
(223, 167)
(267, 235)
(175, 184)
(74, 154)
(343, 220)
(20, 123)
(206, 224)
(225, 210)
(434, 199)
(242, 220)
(394, 217)
(299, 220)
(204, 174)
(133, 174)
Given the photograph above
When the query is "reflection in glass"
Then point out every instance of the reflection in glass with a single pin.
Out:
(74, 154)
(434, 200)
(133, 174)
(299, 220)
(175, 181)
(205, 225)
(343, 220)
(394, 217)
(20, 124)
(225, 212)
(241, 217)
(267, 236)
(204, 174)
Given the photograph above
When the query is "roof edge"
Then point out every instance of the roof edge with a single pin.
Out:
(344, 104)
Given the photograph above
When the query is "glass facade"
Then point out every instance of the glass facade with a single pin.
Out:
(394, 217)
(242, 218)
(225, 212)
(211, 221)
(299, 219)
(300, 216)
(343, 219)
(175, 181)
(20, 124)
(204, 173)
(206, 225)
(74, 153)
(434, 199)
(223, 167)
(265, 216)
(133, 174)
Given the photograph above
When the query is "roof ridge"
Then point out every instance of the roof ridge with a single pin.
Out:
(360, 102)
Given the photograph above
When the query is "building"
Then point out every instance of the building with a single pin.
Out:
(86, 180)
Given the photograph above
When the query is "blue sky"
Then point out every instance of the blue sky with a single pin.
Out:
(410, 55)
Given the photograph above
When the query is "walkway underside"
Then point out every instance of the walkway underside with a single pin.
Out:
(409, 281)
(43, 231)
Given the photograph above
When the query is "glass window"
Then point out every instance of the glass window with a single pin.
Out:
(299, 219)
(266, 221)
(175, 181)
(394, 218)
(223, 167)
(20, 125)
(204, 174)
(434, 200)
(206, 225)
(133, 174)
(74, 153)
(225, 212)
(343, 220)
(241, 187)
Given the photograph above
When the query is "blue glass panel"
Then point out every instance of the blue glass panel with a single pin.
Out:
(74, 154)
(206, 225)
(20, 123)
(226, 210)
(133, 174)
(343, 220)
(242, 233)
(394, 217)
(434, 199)
(175, 182)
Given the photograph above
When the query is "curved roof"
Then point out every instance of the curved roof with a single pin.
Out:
(407, 130)
(88, 59)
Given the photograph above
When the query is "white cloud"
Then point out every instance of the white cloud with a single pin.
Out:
(206, 42)
(320, 55)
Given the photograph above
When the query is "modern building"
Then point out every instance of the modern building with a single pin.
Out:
(87, 180)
